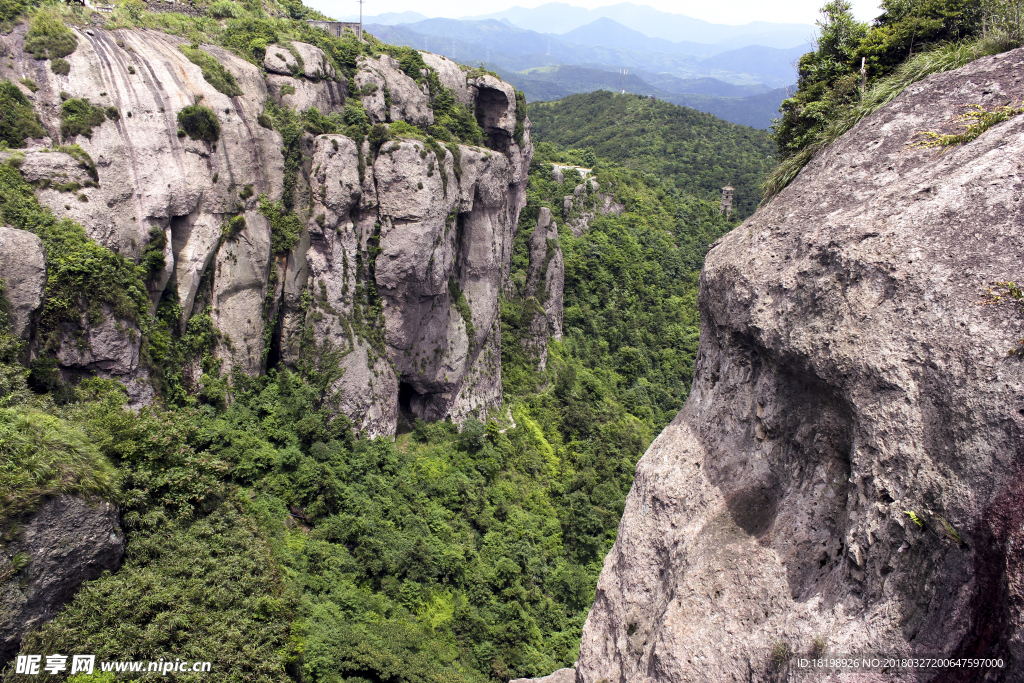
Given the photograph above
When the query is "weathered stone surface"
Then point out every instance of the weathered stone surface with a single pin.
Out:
(68, 541)
(845, 375)
(148, 177)
(560, 676)
(558, 172)
(408, 102)
(301, 94)
(545, 282)
(54, 167)
(402, 257)
(439, 234)
(23, 271)
(451, 75)
(306, 60)
(585, 202)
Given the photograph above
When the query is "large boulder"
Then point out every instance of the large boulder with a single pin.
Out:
(388, 94)
(23, 271)
(298, 59)
(68, 541)
(846, 474)
(452, 76)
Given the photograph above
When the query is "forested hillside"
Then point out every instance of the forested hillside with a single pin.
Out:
(693, 151)
(264, 533)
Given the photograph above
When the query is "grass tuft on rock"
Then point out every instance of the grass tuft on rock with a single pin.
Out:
(60, 66)
(42, 455)
(214, 73)
(199, 123)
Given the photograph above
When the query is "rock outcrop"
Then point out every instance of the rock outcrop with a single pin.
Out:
(585, 202)
(149, 178)
(560, 676)
(392, 291)
(846, 378)
(23, 271)
(67, 541)
(545, 282)
(388, 94)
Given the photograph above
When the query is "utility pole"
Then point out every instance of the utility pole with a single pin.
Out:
(360, 18)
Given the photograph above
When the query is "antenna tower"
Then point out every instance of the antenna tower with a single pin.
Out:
(360, 18)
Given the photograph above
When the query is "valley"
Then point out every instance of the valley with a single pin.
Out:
(340, 360)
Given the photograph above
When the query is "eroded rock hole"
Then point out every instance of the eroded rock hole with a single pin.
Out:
(405, 396)
(407, 399)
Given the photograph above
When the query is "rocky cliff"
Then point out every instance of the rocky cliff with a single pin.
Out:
(64, 543)
(402, 250)
(846, 474)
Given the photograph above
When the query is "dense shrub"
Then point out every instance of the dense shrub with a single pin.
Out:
(225, 604)
(199, 123)
(225, 9)
(285, 226)
(78, 117)
(829, 77)
(17, 120)
(11, 9)
(48, 37)
(60, 66)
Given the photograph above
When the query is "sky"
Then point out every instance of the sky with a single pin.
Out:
(720, 12)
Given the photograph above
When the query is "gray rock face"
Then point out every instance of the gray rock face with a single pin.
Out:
(560, 676)
(545, 282)
(23, 271)
(440, 235)
(150, 178)
(585, 202)
(298, 59)
(845, 376)
(304, 82)
(382, 81)
(393, 287)
(451, 76)
(68, 541)
(301, 94)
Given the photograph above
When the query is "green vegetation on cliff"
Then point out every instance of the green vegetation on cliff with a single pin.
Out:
(17, 119)
(905, 44)
(695, 152)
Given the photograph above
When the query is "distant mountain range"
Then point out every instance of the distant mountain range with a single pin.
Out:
(611, 45)
(750, 105)
(560, 18)
(738, 73)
